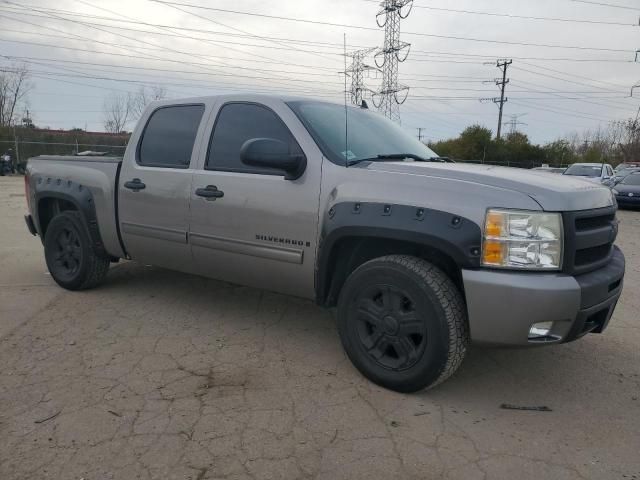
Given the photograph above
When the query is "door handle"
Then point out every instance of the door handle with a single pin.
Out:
(135, 185)
(210, 192)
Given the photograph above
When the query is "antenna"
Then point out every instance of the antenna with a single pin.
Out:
(346, 110)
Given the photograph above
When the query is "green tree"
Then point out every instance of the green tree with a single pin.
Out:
(472, 144)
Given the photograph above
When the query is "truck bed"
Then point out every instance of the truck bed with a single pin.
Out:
(100, 175)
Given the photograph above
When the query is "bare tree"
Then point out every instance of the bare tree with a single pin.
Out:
(144, 97)
(14, 86)
(117, 110)
(625, 137)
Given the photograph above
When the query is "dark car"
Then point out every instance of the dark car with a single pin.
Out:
(628, 191)
(620, 173)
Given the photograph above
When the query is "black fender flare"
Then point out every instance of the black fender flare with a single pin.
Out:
(457, 237)
(75, 193)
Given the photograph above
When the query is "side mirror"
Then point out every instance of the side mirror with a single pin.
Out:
(271, 153)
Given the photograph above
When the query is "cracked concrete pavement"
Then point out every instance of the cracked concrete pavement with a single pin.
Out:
(160, 375)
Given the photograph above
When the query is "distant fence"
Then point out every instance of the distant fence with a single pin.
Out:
(27, 143)
(25, 149)
(519, 164)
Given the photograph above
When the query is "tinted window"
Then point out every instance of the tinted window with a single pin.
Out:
(239, 122)
(584, 170)
(169, 136)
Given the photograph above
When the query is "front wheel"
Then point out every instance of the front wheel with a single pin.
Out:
(403, 323)
(71, 260)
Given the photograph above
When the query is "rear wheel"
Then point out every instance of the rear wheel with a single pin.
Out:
(402, 322)
(71, 260)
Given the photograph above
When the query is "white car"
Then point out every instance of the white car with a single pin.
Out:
(593, 172)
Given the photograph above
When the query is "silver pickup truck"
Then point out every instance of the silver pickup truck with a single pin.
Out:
(420, 256)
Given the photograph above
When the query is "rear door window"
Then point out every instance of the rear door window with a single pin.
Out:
(168, 138)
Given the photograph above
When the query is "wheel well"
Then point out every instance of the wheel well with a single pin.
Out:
(351, 252)
(49, 208)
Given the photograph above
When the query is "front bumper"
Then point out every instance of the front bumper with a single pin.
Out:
(502, 306)
(627, 201)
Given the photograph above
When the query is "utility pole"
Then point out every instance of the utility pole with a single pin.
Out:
(357, 70)
(387, 59)
(503, 65)
(420, 129)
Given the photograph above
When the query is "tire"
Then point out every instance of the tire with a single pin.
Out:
(403, 323)
(70, 257)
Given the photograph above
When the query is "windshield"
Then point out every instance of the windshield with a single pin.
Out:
(633, 179)
(584, 170)
(625, 171)
(369, 133)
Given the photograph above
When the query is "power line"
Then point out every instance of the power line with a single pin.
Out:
(189, 54)
(561, 94)
(361, 27)
(205, 85)
(602, 4)
(572, 75)
(205, 66)
(287, 40)
(182, 71)
(427, 53)
(523, 17)
(171, 28)
(176, 7)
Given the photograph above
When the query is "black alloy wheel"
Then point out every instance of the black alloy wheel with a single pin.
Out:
(390, 329)
(67, 256)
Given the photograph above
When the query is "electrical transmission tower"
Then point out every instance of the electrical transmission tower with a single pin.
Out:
(502, 84)
(356, 71)
(514, 122)
(392, 94)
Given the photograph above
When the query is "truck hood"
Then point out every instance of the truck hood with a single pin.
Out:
(551, 192)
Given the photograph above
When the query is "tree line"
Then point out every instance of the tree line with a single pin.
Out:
(617, 143)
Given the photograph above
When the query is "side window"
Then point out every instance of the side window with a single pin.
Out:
(237, 123)
(168, 138)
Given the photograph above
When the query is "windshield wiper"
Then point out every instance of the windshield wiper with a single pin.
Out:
(391, 156)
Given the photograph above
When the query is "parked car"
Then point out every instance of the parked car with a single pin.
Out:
(628, 165)
(627, 192)
(593, 172)
(419, 256)
(621, 172)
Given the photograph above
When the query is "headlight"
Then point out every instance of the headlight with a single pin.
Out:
(522, 239)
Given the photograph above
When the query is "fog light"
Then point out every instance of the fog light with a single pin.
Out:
(540, 330)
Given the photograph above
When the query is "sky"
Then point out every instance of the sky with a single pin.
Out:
(81, 51)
